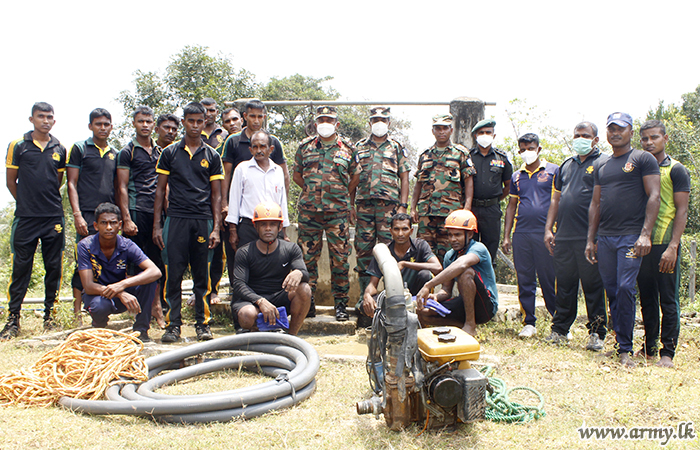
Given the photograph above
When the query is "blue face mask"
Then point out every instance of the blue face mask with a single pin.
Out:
(582, 146)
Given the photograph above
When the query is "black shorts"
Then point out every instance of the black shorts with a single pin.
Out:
(483, 304)
(279, 298)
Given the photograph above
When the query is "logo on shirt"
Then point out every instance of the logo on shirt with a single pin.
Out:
(543, 177)
(204, 163)
(201, 240)
(58, 227)
(96, 268)
(285, 264)
(56, 156)
(629, 167)
(110, 156)
(121, 264)
(589, 169)
(219, 138)
(413, 259)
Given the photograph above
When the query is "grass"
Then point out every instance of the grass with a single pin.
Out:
(578, 386)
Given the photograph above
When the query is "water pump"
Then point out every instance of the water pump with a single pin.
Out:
(418, 374)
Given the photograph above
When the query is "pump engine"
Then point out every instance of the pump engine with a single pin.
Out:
(419, 375)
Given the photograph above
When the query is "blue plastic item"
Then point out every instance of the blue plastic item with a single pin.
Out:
(281, 322)
(437, 307)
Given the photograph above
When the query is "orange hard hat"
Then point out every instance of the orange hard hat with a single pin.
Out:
(268, 211)
(461, 219)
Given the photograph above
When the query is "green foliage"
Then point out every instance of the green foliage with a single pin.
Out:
(191, 75)
(289, 123)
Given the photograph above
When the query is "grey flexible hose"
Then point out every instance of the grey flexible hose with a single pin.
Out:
(291, 360)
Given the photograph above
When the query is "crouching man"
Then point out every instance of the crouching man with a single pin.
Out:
(269, 273)
(416, 262)
(102, 262)
(469, 264)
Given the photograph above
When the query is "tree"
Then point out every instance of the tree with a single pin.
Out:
(191, 74)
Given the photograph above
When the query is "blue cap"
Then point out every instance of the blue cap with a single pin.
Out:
(620, 118)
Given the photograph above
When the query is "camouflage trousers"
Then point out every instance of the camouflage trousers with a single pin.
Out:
(337, 228)
(372, 226)
(432, 230)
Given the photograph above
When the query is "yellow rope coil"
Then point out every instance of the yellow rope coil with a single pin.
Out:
(84, 366)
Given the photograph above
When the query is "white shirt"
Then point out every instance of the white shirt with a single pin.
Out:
(251, 185)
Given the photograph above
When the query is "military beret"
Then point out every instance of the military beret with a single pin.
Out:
(326, 111)
(443, 119)
(482, 124)
(380, 111)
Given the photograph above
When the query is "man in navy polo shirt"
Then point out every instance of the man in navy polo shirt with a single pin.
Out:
(192, 169)
(91, 167)
(103, 259)
(573, 189)
(136, 183)
(623, 210)
(212, 133)
(35, 164)
(530, 194)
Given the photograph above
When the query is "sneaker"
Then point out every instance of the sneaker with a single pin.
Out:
(49, 324)
(341, 313)
(143, 336)
(203, 332)
(556, 339)
(527, 332)
(595, 343)
(11, 329)
(172, 334)
(312, 309)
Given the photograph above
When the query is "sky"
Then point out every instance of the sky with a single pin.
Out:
(573, 60)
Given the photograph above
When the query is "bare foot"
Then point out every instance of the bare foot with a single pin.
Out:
(214, 299)
(157, 313)
(469, 329)
(666, 362)
(190, 301)
(626, 360)
(642, 354)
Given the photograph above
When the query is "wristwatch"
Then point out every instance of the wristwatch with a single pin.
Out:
(403, 205)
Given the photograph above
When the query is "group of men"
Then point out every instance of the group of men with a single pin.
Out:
(200, 200)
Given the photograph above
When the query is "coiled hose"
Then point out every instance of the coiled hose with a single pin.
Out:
(292, 361)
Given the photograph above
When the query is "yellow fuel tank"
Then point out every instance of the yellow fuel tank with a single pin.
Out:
(445, 344)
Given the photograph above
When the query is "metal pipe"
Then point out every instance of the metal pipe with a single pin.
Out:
(311, 103)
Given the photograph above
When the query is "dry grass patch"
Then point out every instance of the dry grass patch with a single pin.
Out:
(578, 387)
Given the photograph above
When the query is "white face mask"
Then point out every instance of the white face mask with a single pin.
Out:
(325, 130)
(379, 129)
(484, 140)
(529, 157)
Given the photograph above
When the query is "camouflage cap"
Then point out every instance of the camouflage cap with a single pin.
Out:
(380, 111)
(326, 111)
(482, 124)
(443, 119)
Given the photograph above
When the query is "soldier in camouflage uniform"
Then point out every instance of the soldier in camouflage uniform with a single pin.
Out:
(383, 188)
(327, 170)
(443, 184)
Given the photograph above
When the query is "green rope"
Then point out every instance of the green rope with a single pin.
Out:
(500, 409)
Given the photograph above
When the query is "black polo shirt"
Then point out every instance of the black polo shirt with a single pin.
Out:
(575, 182)
(216, 138)
(189, 176)
(97, 169)
(142, 174)
(38, 192)
(623, 200)
(492, 171)
(237, 149)
(419, 252)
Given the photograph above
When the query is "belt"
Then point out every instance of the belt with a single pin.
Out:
(486, 202)
(245, 219)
